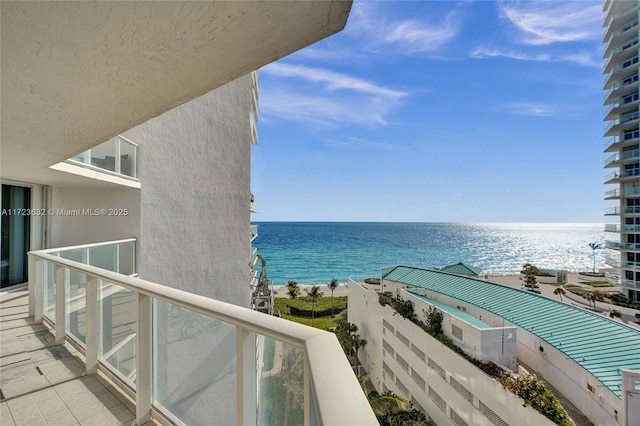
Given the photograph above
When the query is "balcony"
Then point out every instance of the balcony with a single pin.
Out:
(253, 229)
(626, 138)
(616, 245)
(625, 100)
(124, 327)
(608, 21)
(622, 156)
(624, 192)
(612, 177)
(103, 157)
(626, 118)
(613, 262)
(621, 88)
(631, 284)
(614, 211)
(621, 71)
(622, 228)
(616, 34)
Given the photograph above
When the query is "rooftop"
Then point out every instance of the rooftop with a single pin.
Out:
(597, 343)
(453, 311)
(462, 269)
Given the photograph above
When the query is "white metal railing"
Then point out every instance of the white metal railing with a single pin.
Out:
(331, 393)
(117, 156)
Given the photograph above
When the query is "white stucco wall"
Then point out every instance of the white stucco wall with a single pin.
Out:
(370, 316)
(194, 168)
(112, 224)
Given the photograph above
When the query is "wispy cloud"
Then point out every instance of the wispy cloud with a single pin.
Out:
(380, 31)
(584, 58)
(529, 109)
(485, 52)
(546, 22)
(324, 97)
(351, 143)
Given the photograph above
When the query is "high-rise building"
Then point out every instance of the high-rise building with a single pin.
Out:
(621, 85)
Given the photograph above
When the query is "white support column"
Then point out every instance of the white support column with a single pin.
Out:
(246, 386)
(144, 360)
(32, 286)
(92, 337)
(38, 291)
(61, 279)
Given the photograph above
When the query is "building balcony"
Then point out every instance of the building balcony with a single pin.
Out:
(253, 229)
(630, 284)
(621, 175)
(612, 227)
(621, 71)
(621, 157)
(622, 53)
(615, 37)
(621, 88)
(621, 141)
(617, 107)
(617, 245)
(615, 15)
(621, 123)
(143, 335)
(622, 193)
(628, 210)
(614, 262)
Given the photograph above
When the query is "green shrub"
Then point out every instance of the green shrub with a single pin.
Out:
(375, 281)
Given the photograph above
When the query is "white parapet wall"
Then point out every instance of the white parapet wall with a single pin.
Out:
(401, 357)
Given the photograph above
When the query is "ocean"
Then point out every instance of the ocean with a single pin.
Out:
(316, 252)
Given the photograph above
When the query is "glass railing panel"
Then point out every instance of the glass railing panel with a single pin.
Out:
(128, 156)
(281, 391)
(104, 155)
(105, 257)
(76, 300)
(194, 365)
(117, 350)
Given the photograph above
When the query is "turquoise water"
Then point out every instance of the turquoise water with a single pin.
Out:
(315, 252)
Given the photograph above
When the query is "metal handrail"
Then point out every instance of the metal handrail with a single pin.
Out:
(337, 395)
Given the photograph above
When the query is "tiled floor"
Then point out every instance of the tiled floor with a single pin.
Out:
(44, 384)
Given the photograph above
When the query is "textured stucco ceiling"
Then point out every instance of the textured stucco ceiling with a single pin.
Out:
(75, 74)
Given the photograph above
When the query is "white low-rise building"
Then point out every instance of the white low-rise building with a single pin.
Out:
(585, 356)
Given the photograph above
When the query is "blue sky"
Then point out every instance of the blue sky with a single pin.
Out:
(438, 111)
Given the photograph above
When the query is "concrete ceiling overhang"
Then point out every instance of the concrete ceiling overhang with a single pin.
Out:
(75, 74)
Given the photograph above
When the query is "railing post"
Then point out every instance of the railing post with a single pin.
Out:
(144, 359)
(246, 386)
(38, 294)
(61, 278)
(91, 324)
(32, 286)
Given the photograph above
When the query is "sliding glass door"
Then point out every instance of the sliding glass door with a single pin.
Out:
(15, 226)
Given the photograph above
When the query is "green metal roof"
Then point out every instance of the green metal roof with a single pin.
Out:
(453, 311)
(462, 269)
(597, 343)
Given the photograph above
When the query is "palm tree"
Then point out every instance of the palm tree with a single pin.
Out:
(292, 289)
(530, 271)
(594, 247)
(559, 292)
(590, 298)
(333, 284)
(388, 404)
(358, 343)
(314, 295)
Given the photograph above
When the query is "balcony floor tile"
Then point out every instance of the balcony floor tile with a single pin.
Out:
(43, 383)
